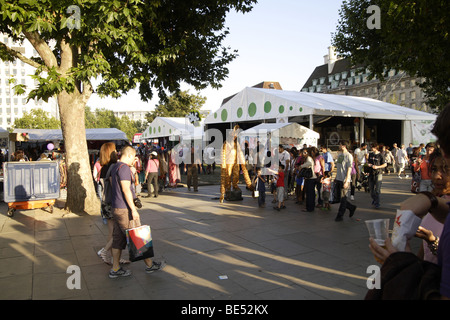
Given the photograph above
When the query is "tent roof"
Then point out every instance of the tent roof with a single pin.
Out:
(253, 104)
(286, 130)
(172, 126)
(4, 133)
(56, 134)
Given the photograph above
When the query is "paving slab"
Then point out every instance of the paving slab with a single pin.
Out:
(213, 251)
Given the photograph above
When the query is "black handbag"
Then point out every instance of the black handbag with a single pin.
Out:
(306, 173)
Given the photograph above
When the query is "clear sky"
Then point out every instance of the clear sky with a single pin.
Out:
(279, 40)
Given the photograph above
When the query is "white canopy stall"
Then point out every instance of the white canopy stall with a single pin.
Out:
(291, 134)
(173, 127)
(255, 104)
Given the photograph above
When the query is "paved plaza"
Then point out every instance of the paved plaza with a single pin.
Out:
(213, 251)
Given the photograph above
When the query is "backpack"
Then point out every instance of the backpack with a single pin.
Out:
(106, 208)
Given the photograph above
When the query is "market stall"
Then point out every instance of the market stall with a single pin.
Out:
(288, 134)
(347, 117)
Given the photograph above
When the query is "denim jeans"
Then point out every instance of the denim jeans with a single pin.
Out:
(375, 188)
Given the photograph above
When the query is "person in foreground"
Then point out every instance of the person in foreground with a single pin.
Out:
(125, 211)
(426, 202)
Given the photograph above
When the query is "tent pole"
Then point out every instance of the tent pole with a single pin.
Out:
(361, 130)
(311, 122)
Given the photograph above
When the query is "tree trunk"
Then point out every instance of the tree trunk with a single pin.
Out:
(81, 195)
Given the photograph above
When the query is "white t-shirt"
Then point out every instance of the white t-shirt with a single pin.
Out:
(361, 155)
(401, 156)
(283, 157)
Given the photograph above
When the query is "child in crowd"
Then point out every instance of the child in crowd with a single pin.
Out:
(260, 183)
(326, 190)
(280, 187)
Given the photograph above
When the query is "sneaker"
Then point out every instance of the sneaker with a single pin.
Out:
(119, 273)
(155, 267)
(276, 208)
(105, 256)
(399, 177)
(352, 198)
(407, 176)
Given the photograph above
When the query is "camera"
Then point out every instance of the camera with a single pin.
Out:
(137, 203)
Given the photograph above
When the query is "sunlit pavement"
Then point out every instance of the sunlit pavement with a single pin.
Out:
(213, 251)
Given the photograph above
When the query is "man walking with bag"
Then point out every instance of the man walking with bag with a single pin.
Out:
(124, 211)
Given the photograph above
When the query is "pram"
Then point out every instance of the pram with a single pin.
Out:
(363, 181)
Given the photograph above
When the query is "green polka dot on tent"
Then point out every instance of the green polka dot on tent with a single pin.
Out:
(291, 108)
(154, 130)
(224, 115)
(215, 115)
(267, 107)
(301, 109)
(281, 109)
(159, 129)
(240, 112)
(170, 131)
(252, 109)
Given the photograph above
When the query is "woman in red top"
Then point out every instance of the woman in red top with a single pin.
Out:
(423, 165)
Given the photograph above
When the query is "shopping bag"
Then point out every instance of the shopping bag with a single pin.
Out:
(139, 241)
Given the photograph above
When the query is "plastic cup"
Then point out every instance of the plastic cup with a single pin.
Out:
(378, 230)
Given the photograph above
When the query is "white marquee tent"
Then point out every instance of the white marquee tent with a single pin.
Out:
(255, 104)
(289, 133)
(172, 127)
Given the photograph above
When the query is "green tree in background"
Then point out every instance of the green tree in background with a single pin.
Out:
(413, 37)
(177, 105)
(134, 44)
(103, 118)
(37, 119)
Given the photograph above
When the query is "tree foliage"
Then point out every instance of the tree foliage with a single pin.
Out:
(414, 37)
(145, 44)
(177, 105)
(103, 118)
(37, 119)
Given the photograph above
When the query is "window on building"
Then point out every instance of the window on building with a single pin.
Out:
(402, 96)
(413, 95)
